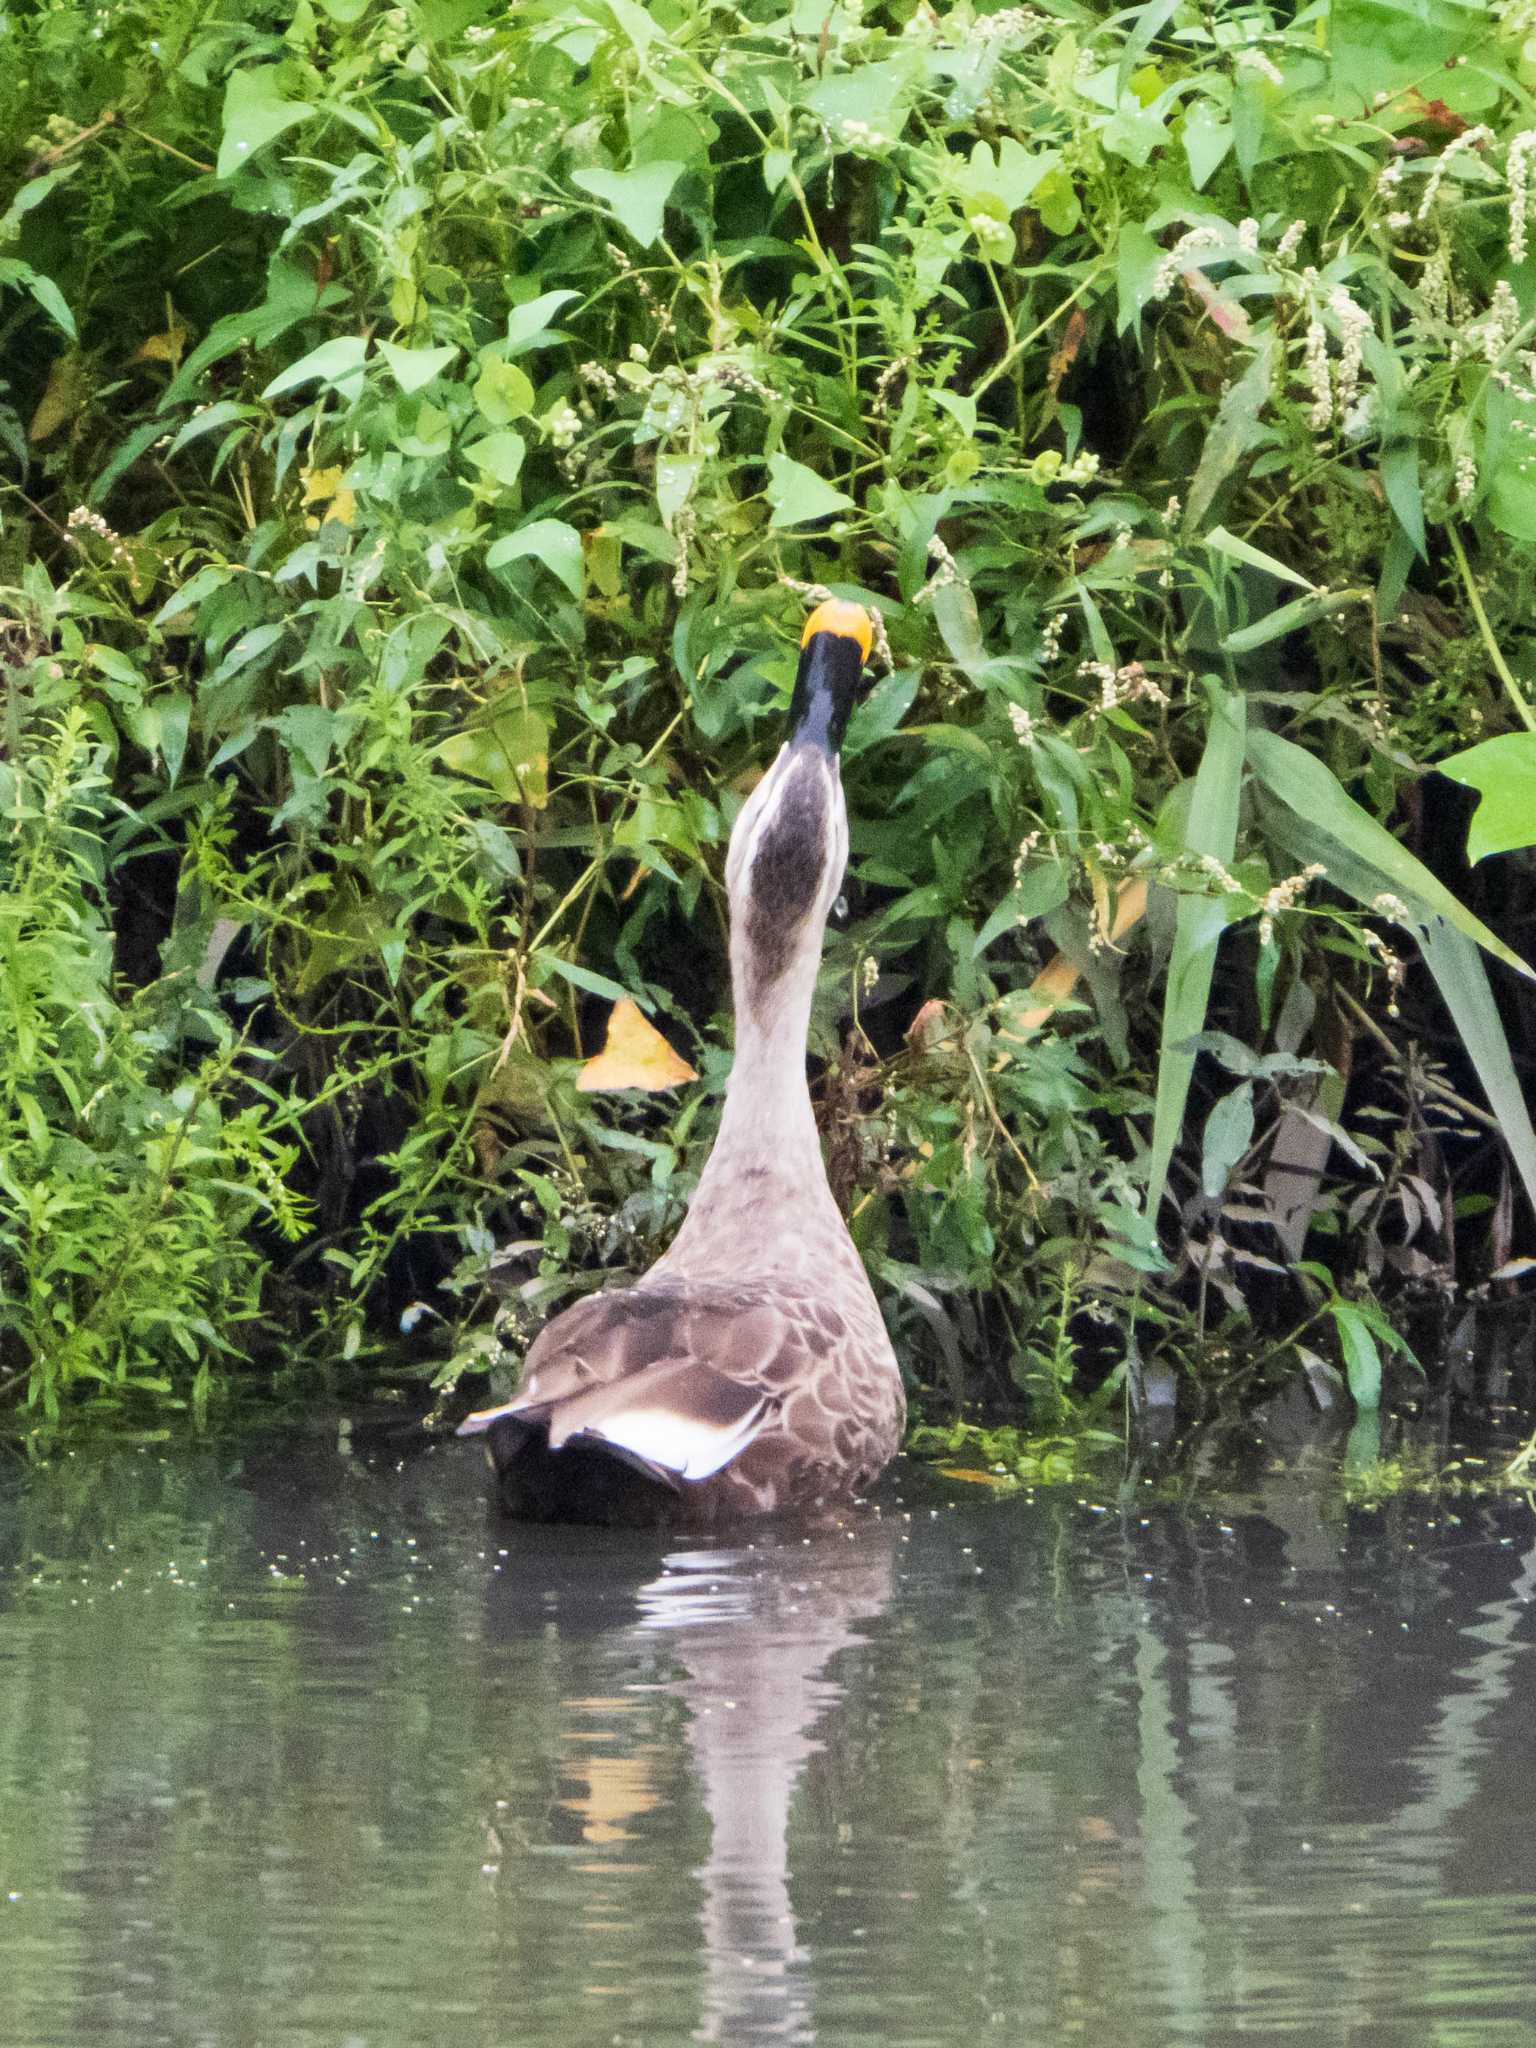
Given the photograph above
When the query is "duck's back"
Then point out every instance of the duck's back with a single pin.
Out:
(709, 1401)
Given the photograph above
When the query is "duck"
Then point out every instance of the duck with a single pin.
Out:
(749, 1372)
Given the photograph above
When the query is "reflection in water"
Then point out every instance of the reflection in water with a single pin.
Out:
(299, 1750)
(754, 1631)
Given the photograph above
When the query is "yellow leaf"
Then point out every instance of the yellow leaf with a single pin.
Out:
(324, 487)
(61, 396)
(1055, 982)
(163, 348)
(636, 1056)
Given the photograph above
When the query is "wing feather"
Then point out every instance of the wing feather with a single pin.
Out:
(679, 1377)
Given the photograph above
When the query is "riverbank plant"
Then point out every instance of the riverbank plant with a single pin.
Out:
(425, 427)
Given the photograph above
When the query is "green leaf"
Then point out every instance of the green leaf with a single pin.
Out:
(1235, 429)
(221, 414)
(1138, 261)
(798, 494)
(1010, 175)
(1207, 138)
(1236, 550)
(1463, 984)
(414, 367)
(509, 750)
(959, 624)
(528, 325)
(1289, 618)
(555, 544)
(1043, 890)
(43, 289)
(1228, 1134)
(175, 708)
(1362, 1361)
(545, 964)
(639, 196)
(676, 476)
(308, 731)
(1200, 921)
(1512, 494)
(1310, 789)
(338, 363)
(499, 456)
(1400, 481)
(503, 392)
(1503, 772)
(255, 113)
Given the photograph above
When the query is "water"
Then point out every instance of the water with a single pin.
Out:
(301, 1749)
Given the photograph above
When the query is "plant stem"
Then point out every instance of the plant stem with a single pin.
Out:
(1501, 667)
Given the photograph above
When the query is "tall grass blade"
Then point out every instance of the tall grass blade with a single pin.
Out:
(1462, 981)
(1212, 829)
(1451, 958)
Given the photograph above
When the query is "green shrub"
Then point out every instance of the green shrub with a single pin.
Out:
(428, 422)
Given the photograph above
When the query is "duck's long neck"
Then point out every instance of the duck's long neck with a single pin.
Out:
(767, 1122)
(787, 854)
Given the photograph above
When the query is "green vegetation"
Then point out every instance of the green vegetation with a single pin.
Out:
(427, 423)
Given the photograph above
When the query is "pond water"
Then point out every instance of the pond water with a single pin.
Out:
(301, 1748)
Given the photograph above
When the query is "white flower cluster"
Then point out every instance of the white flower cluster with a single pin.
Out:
(1435, 285)
(1389, 192)
(945, 570)
(1284, 896)
(1517, 169)
(859, 135)
(83, 520)
(1049, 468)
(1011, 24)
(1125, 685)
(1354, 326)
(1469, 138)
(1192, 243)
(1315, 360)
(1256, 60)
(1493, 334)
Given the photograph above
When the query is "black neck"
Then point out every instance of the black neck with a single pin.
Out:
(826, 688)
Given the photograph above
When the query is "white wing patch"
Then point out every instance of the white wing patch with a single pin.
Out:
(690, 1445)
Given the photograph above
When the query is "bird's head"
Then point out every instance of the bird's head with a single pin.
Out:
(790, 845)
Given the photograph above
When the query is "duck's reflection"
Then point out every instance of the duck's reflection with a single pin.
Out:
(754, 1631)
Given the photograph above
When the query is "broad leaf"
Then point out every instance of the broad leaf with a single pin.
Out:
(338, 363)
(509, 750)
(1228, 1134)
(1362, 1361)
(414, 367)
(635, 1055)
(798, 494)
(550, 541)
(499, 456)
(639, 196)
(1503, 772)
(255, 113)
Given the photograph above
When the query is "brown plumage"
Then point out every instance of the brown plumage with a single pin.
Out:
(749, 1371)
